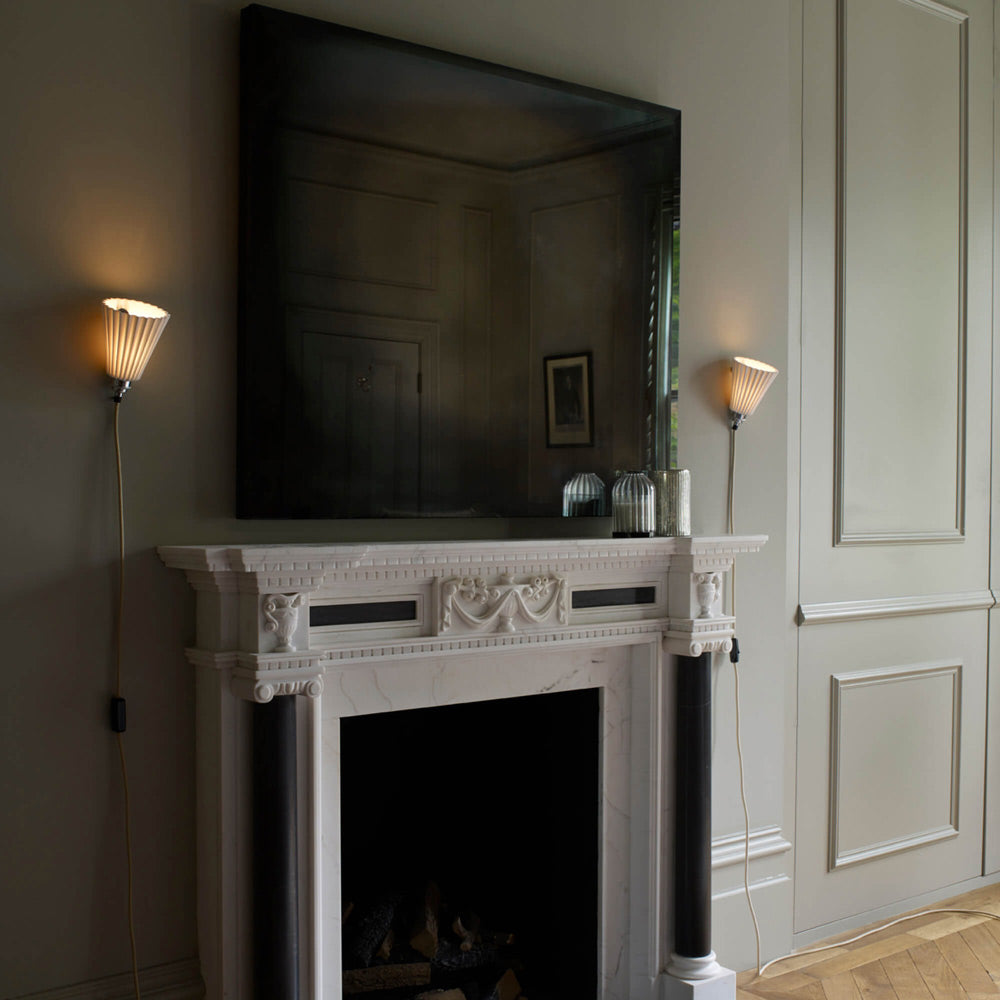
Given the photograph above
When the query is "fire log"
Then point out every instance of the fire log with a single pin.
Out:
(507, 987)
(451, 958)
(424, 937)
(385, 950)
(467, 930)
(364, 935)
(386, 977)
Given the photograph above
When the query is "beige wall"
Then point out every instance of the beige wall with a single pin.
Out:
(119, 177)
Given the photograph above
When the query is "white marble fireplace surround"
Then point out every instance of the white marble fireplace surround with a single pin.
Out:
(479, 621)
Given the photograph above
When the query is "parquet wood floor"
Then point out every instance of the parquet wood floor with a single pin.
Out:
(936, 957)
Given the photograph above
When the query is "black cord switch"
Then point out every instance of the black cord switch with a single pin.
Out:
(118, 715)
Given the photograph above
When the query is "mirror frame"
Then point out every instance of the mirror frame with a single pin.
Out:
(270, 456)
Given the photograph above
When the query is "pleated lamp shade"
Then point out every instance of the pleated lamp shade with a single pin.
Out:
(132, 330)
(751, 380)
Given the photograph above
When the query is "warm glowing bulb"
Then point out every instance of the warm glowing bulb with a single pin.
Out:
(751, 380)
(132, 330)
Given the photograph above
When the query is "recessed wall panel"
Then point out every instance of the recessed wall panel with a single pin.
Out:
(902, 221)
(337, 232)
(895, 760)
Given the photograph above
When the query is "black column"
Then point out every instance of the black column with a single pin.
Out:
(693, 817)
(275, 858)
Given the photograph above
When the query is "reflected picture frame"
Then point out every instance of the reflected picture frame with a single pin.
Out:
(569, 395)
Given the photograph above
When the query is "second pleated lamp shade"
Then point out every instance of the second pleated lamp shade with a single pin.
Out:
(750, 381)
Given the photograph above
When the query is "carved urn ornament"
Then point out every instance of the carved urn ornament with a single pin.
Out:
(708, 590)
(281, 612)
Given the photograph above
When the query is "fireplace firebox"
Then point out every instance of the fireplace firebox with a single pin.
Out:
(470, 846)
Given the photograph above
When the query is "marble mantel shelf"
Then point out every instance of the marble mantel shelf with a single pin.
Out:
(448, 582)
(412, 621)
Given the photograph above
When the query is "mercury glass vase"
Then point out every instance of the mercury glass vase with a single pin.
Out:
(673, 501)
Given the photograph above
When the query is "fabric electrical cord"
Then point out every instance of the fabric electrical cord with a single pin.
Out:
(736, 695)
(120, 617)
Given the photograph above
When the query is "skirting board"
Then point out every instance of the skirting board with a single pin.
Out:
(732, 928)
(173, 981)
(928, 900)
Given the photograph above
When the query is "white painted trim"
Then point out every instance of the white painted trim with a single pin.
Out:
(732, 929)
(940, 9)
(873, 851)
(894, 607)
(172, 981)
(764, 843)
(279, 568)
(770, 882)
(945, 536)
(806, 936)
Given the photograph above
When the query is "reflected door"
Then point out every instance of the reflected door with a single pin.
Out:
(361, 403)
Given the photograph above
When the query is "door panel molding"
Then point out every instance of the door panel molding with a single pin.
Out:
(843, 685)
(845, 533)
(894, 607)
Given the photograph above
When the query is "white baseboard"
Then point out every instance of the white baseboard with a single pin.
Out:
(927, 900)
(173, 981)
(771, 888)
(732, 928)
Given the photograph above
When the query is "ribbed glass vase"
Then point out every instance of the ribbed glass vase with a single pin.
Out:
(633, 506)
(583, 496)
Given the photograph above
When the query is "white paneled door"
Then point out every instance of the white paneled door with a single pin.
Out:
(894, 575)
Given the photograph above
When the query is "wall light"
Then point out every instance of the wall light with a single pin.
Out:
(132, 330)
(751, 380)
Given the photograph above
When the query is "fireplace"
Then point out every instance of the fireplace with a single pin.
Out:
(345, 666)
(470, 847)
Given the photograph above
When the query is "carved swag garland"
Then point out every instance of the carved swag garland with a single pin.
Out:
(480, 605)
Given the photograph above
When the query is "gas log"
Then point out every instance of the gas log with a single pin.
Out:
(386, 977)
(413, 946)
(424, 936)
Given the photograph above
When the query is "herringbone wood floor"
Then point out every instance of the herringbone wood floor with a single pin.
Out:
(937, 957)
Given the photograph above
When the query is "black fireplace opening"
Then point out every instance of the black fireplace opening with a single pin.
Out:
(470, 839)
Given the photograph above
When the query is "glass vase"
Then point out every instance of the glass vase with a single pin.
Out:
(583, 496)
(633, 506)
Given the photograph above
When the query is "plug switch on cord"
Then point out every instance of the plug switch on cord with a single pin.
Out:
(117, 715)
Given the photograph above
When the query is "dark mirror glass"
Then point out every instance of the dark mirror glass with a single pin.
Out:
(457, 281)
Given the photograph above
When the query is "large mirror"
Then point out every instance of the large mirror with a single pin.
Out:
(457, 281)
